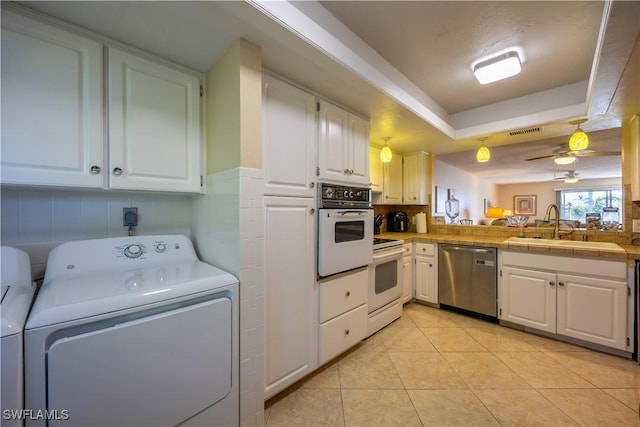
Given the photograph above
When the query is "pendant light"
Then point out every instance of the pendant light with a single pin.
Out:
(579, 140)
(386, 154)
(483, 155)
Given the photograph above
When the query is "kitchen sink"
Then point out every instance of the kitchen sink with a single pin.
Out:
(574, 244)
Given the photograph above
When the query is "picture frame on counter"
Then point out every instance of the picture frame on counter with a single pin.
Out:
(524, 205)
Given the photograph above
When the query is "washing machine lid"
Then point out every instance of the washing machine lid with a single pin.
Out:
(84, 296)
(17, 290)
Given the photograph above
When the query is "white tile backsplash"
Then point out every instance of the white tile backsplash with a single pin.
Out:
(37, 220)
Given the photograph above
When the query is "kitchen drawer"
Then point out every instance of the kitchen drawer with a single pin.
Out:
(408, 250)
(425, 249)
(340, 295)
(339, 334)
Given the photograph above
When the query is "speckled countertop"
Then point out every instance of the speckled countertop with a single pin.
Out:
(630, 252)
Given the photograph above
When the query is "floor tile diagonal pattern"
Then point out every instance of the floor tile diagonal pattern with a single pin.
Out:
(437, 368)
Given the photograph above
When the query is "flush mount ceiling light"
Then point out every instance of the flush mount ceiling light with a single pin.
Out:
(564, 159)
(498, 67)
(579, 140)
(483, 154)
(386, 154)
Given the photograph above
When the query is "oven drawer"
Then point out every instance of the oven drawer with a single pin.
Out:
(342, 294)
(341, 333)
(425, 249)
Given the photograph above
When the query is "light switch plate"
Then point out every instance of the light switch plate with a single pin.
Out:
(636, 225)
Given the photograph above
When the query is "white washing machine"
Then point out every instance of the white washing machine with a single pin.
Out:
(17, 296)
(132, 331)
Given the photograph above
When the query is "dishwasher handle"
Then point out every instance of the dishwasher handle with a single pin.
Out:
(468, 249)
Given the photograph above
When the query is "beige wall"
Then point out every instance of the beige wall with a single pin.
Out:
(470, 190)
(545, 192)
(234, 99)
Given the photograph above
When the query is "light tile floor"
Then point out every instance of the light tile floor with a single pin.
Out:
(434, 368)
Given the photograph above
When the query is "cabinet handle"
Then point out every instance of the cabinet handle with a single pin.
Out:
(350, 171)
(424, 249)
(95, 170)
(346, 171)
(117, 171)
(560, 283)
(430, 265)
(552, 283)
(312, 211)
(348, 293)
(346, 332)
(312, 185)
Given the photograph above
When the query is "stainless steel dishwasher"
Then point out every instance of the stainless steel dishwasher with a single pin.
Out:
(467, 278)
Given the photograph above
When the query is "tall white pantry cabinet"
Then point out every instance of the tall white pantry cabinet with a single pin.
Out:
(54, 126)
(289, 149)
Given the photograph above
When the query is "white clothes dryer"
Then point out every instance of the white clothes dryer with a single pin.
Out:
(18, 291)
(133, 331)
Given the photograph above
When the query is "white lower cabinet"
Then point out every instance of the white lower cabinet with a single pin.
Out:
(581, 298)
(407, 274)
(343, 314)
(425, 272)
(290, 292)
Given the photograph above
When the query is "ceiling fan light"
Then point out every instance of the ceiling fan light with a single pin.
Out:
(571, 180)
(483, 154)
(579, 140)
(498, 68)
(386, 154)
(564, 160)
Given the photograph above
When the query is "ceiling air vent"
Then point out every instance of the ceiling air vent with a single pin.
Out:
(525, 131)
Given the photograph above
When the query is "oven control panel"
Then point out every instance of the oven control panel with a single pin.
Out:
(332, 195)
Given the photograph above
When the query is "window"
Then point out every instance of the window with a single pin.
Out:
(574, 204)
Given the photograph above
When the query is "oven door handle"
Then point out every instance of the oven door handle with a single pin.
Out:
(351, 213)
(382, 254)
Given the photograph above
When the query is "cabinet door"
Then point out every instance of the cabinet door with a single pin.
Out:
(375, 169)
(154, 126)
(593, 310)
(333, 140)
(288, 139)
(51, 106)
(426, 289)
(392, 191)
(416, 178)
(410, 179)
(290, 294)
(528, 298)
(407, 279)
(358, 151)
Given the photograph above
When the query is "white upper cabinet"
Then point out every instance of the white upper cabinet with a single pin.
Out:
(375, 169)
(416, 178)
(288, 139)
(52, 130)
(154, 126)
(392, 188)
(343, 146)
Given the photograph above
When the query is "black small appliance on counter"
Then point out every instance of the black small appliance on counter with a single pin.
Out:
(398, 221)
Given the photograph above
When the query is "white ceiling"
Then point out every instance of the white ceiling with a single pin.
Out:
(407, 65)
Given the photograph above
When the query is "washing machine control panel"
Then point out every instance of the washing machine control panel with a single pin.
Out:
(143, 248)
(133, 251)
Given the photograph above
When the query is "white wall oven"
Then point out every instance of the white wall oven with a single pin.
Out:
(385, 283)
(345, 228)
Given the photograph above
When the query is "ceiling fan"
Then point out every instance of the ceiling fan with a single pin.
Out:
(568, 177)
(562, 152)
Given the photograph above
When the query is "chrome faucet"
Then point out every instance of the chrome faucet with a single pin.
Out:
(547, 217)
